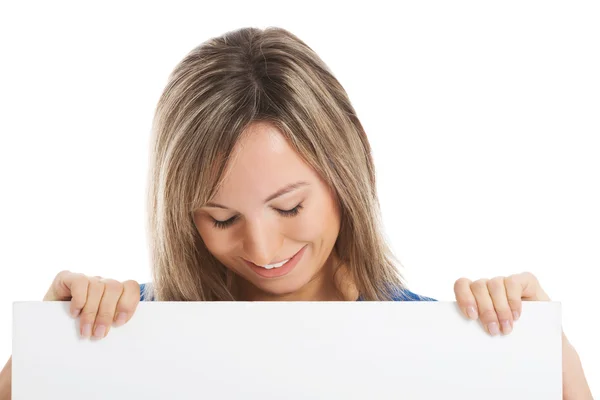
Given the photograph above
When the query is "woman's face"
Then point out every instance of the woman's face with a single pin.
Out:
(274, 221)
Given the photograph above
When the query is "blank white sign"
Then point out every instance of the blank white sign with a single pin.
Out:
(293, 350)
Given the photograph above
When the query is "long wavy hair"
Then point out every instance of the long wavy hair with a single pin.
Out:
(211, 97)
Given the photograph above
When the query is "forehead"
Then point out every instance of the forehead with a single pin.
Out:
(261, 163)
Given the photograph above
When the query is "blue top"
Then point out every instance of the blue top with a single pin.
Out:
(401, 295)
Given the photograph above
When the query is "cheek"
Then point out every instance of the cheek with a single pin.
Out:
(331, 223)
(316, 223)
(331, 220)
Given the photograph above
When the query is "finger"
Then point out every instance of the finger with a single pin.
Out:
(78, 286)
(464, 297)
(108, 305)
(128, 302)
(90, 309)
(497, 292)
(59, 291)
(531, 289)
(513, 294)
(487, 312)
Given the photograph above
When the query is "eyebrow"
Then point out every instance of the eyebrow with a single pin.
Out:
(280, 192)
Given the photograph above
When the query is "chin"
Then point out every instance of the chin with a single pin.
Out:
(282, 287)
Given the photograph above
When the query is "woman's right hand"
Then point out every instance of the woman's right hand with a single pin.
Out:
(98, 302)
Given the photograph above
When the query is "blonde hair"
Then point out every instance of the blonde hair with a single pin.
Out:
(211, 97)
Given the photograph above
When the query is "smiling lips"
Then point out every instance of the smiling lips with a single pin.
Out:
(278, 265)
(279, 269)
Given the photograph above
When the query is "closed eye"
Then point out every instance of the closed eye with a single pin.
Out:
(224, 224)
(291, 213)
(285, 213)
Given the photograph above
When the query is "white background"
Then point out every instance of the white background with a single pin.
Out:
(484, 121)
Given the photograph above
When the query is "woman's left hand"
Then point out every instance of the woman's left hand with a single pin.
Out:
(497, 302)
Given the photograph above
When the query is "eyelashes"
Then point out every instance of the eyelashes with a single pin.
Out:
(284, 213)
(291, 213)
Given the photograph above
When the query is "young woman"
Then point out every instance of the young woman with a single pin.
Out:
(262, 187)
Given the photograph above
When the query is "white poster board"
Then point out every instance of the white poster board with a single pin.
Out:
(276, 350)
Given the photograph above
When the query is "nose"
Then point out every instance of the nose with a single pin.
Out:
(262, 241)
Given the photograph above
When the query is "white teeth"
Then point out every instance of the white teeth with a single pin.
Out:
(269, 266)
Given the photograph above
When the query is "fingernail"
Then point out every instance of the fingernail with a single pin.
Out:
(472, 312)
(493, 328)
(121, 318)
(86, 330)
(75, 313)
(506, 328)
(516, 315)
(99, 331)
